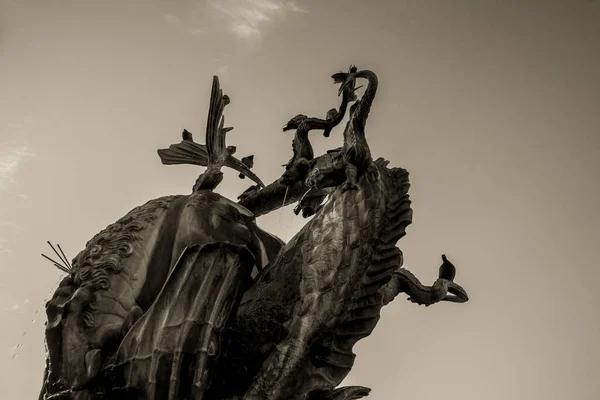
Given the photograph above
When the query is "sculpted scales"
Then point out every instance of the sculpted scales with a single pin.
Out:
(185, 297)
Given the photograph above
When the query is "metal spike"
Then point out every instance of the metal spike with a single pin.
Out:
(56, 252)
(66, 259)
(50, 259)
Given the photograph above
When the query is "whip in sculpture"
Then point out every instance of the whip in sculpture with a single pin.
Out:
(185, 297)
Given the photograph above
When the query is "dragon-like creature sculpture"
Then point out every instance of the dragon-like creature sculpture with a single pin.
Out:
(185, 297)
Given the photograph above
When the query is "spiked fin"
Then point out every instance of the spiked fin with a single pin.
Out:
(215, 152)
(239, 166)
(186, 152)
(187, 135)
(215, 131)
(360, 318)
(248, 162)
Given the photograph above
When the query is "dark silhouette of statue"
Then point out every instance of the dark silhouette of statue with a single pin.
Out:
(186, 297)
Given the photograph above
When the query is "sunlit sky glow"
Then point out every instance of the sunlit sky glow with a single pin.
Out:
(491, 105)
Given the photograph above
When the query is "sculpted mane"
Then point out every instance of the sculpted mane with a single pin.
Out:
(107, 251)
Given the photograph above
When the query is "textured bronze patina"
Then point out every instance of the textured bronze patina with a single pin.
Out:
(185, 297)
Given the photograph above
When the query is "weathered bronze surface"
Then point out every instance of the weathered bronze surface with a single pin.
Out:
(185, 297)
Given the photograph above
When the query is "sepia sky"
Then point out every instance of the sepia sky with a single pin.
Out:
(493, 106)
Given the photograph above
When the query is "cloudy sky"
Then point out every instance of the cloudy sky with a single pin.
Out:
(493, 106)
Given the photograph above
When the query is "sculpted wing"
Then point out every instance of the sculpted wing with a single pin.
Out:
(186, 152)
(181, 330)
(215, 153)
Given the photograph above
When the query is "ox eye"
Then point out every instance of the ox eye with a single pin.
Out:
(64, 292)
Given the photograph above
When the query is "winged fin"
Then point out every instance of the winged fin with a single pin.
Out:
(215, 153)
(215, 134)
(186, 152)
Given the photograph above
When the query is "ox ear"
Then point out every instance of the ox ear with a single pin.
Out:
(55, 307)
(66, 300)
(82, 298)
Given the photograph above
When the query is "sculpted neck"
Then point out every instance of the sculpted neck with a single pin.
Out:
(360, 113)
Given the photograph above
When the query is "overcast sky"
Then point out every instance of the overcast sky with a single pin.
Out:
(493, 107)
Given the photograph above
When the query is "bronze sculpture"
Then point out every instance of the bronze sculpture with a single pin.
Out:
(187, 298)
(298, 166)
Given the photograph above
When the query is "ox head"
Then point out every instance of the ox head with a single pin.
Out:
(72, 361)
